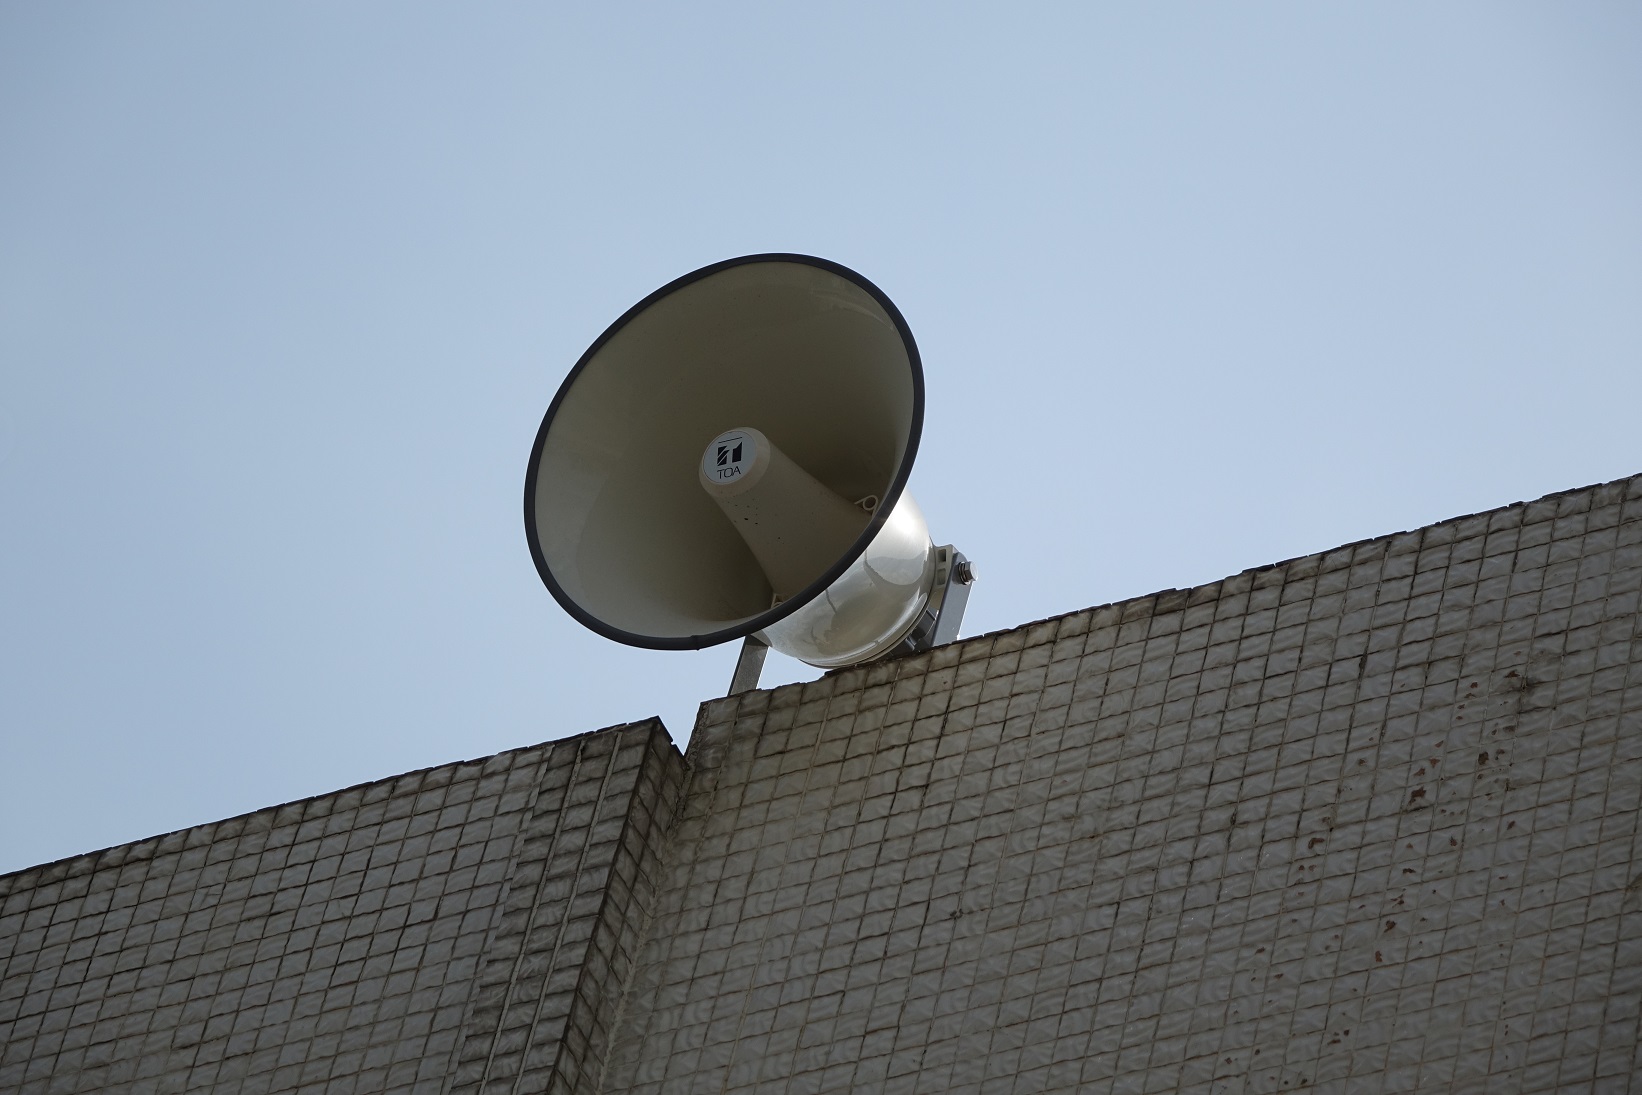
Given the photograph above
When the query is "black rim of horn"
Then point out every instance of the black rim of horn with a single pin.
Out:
(814, 589)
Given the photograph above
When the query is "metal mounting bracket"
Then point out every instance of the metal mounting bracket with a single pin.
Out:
(944, 614)
(748, 666)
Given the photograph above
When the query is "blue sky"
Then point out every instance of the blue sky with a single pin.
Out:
(285, 289)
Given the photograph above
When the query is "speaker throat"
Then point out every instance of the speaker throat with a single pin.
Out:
(795, 526)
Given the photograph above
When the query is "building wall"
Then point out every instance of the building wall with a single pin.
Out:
(427, 932)
(1365, 821)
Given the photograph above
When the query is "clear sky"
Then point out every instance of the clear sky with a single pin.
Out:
(286, 288)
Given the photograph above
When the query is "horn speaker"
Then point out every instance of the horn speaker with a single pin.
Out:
(729, 459)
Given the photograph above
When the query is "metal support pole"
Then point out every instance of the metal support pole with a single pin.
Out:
(748, 666)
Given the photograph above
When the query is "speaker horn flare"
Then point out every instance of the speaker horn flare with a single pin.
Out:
(784, 348)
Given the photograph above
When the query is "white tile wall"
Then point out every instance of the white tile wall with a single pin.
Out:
(1363, 821)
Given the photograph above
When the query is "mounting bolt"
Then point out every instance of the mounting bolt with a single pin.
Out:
(964, 572)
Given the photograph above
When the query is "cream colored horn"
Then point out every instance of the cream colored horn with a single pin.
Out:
(814, 364)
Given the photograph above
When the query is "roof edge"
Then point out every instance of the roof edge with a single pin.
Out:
(716, 712)
(160, 843)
